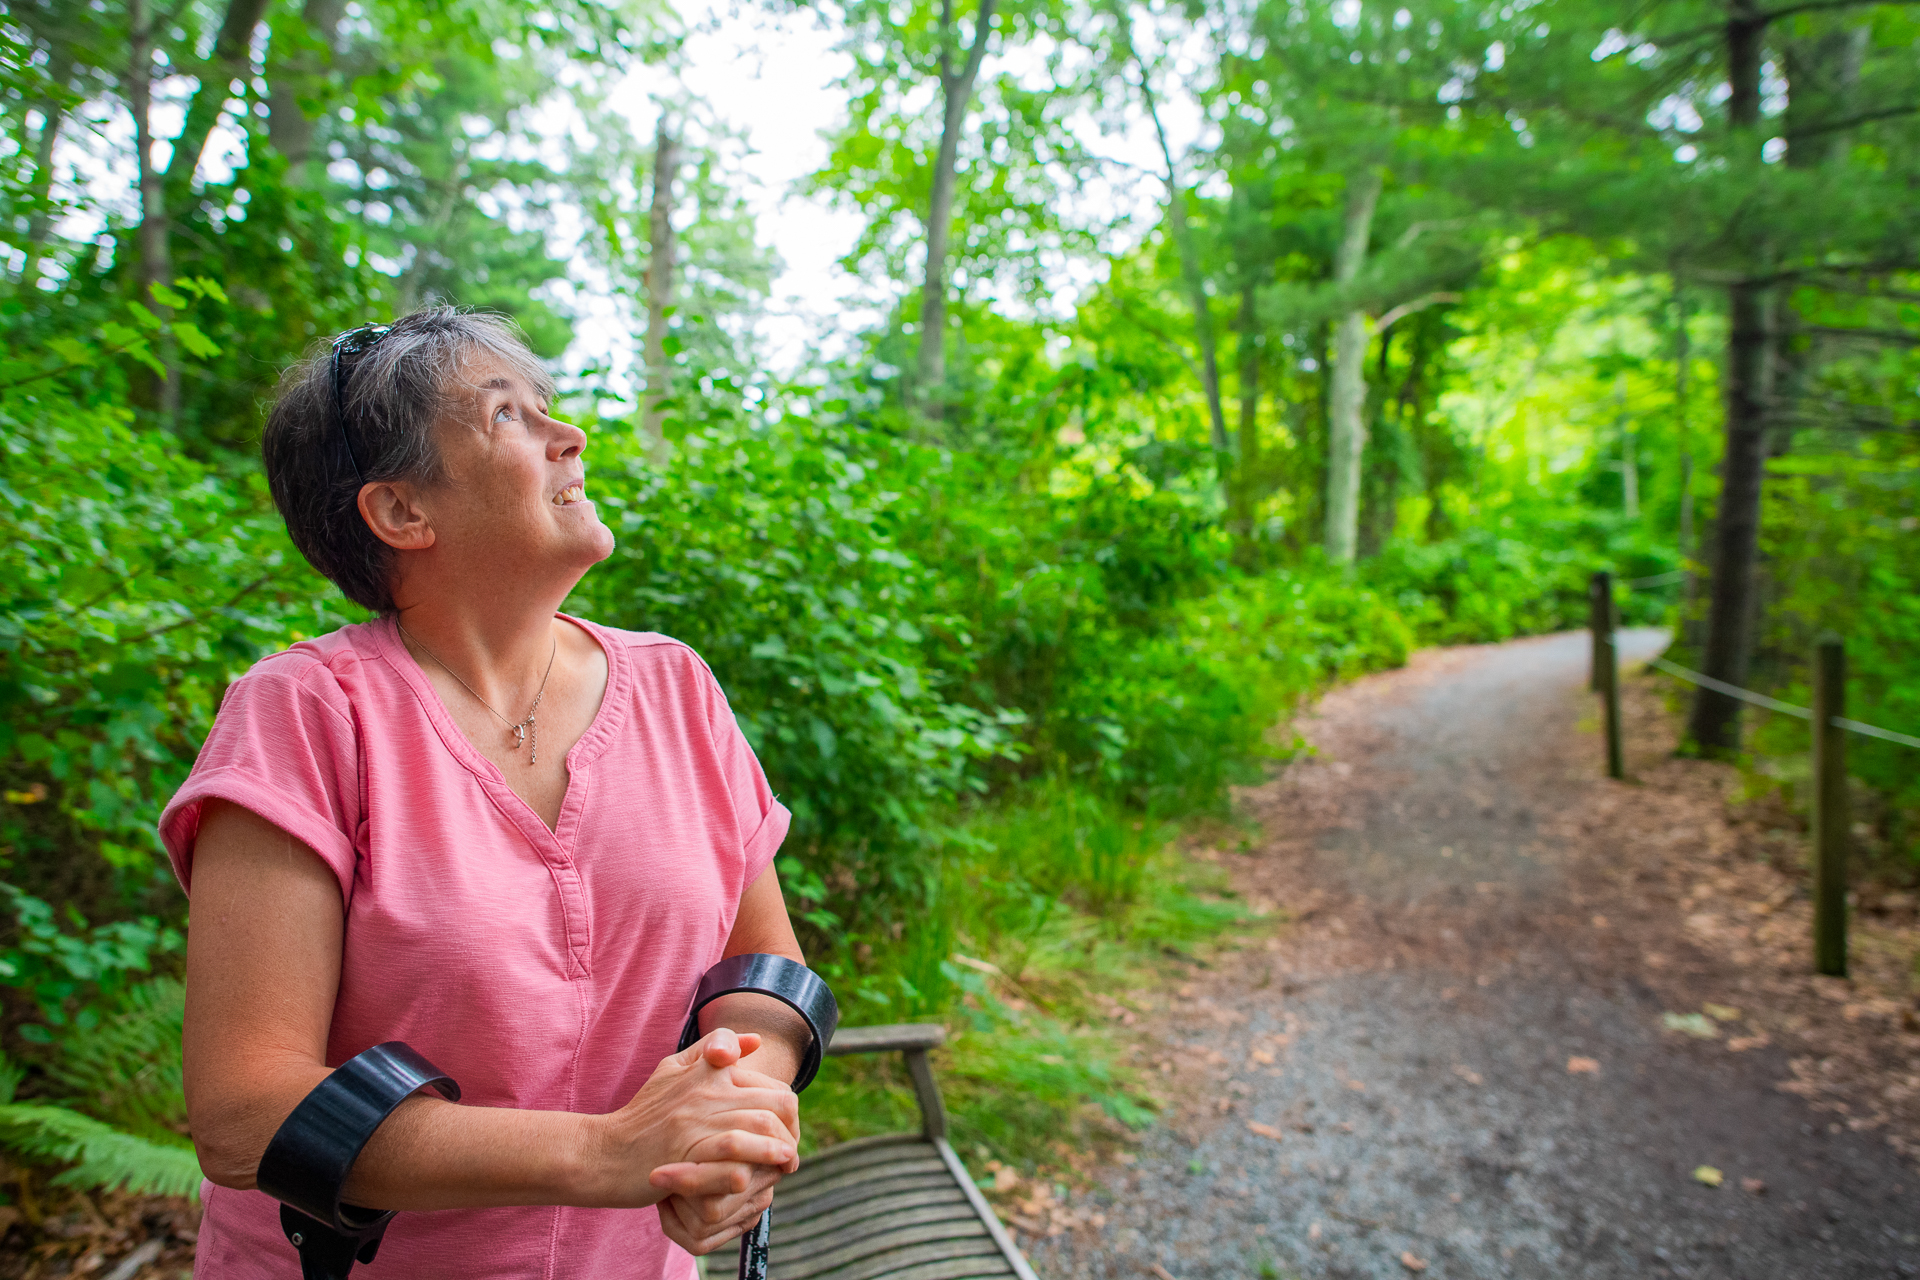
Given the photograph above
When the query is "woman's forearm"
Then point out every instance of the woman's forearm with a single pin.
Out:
(434, 1154)
(430, 1153)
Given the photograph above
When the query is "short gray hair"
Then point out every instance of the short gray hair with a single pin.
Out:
(319, 451)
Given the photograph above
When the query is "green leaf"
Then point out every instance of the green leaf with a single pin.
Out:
(196, 343)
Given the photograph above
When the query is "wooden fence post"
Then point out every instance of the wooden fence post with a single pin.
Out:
(1831, 821)
(1599, 615)
(1606, 670)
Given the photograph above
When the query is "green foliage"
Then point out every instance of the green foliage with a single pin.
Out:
(992, 662)
(99, 1157)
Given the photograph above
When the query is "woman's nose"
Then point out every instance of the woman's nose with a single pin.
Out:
(566, 441)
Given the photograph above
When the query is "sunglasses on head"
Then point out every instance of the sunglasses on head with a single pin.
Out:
(351, 345)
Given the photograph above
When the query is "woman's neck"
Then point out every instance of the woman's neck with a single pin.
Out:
(501, 655)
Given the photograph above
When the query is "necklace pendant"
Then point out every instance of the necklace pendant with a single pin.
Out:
(519, 736)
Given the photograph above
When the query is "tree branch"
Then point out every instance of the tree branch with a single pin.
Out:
(1900, 336)
(1867, 117)
(1406, 309)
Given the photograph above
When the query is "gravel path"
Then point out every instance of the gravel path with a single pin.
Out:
(1449, 1067)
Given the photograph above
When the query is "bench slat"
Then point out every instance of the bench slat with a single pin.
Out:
(872, 1219)
(913, 1150)
(890, 1254)
(984, 1267)
(862, 1209)
(916, 1178)
(876, 1178)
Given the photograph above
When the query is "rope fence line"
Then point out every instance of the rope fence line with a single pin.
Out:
(1774, 704)
(1830, 824)
(1657, 580)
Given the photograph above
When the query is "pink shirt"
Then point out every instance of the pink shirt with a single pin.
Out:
(541, 969)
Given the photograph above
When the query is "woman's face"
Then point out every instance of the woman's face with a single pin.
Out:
(514, 501)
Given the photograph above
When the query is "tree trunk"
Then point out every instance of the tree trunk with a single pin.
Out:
(1196, 286)
(1248, 437)
(40, 188)
(1346, 421)
(231, 60)
(660, 251)
(1714, 725)
(155, 265)
(289, 127)
(957, 94)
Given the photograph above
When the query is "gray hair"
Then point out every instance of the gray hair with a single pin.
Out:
(319, 450)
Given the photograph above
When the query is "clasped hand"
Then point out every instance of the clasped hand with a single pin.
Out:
(717, 1136)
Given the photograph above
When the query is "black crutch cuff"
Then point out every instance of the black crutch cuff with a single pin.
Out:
(788, 981)
(306, 1165)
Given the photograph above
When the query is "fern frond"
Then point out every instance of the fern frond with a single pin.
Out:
(126, 1070)
(102, 1157)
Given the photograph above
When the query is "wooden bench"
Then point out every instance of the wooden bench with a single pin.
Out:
(896, 1207)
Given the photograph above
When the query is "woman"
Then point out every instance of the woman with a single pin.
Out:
(512, 839)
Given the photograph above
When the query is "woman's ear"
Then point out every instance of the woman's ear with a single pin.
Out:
(392, 510)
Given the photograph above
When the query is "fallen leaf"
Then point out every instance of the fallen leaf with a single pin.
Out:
(1468, 1074)
(1263, 1130)
(1005, 1179)
(1356, 1086)
(1262, 1057)
(1313, 1232)
(1720, 1012)
(1753, 1186)
(1412, 1263)
(1693, 1024)
(1160, 1272)
(1582, 1067)
(1709, 1176)
(1600, 922)
(1740, 1044)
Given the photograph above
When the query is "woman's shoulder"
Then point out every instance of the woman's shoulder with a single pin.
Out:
(656, 658)
(318, 663)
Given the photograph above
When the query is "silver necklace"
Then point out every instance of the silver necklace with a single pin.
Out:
(526, 732)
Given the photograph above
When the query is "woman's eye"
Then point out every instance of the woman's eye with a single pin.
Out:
(503, 414)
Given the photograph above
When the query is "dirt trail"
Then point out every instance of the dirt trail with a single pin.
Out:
(1454, 1063)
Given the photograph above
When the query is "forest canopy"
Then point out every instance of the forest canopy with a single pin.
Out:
(1412, 317)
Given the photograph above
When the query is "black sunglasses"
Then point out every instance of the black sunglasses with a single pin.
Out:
(351, 345)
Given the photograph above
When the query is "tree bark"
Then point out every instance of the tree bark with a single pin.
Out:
(957, 93)
(289, 127)
(231, 60)
(1248, 436)
(155, 265)
(1196, 284)
(1346, 418)
(1714, 725)
(660, 251)
(40, 187)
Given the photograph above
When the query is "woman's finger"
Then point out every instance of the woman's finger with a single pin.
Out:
(702, 1178)
(745, 1146)
(742, 1044)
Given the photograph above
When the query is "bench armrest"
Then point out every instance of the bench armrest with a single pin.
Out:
(912, 1039)
(899, 1036)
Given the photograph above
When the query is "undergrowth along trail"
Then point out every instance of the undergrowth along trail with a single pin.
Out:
(1524, 1021)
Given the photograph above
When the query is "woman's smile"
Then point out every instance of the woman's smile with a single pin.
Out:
(575, 492)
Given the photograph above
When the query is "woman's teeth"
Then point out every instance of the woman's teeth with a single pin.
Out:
(572, 493)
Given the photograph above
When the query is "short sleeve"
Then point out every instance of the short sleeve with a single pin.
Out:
(283, 746)
(762, 820)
